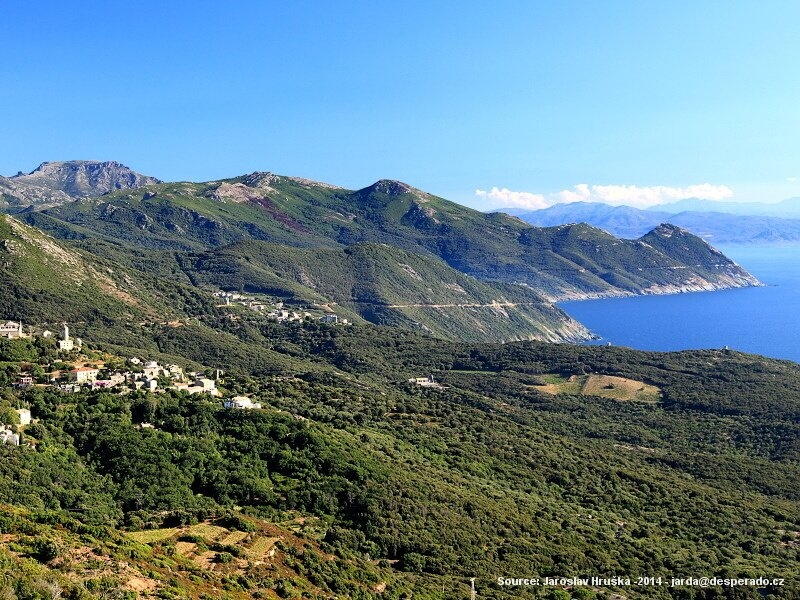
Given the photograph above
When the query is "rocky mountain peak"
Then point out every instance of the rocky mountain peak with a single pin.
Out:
(79, 178)
(391, 187)
(259, 179)
(668, 230)
(54, 183)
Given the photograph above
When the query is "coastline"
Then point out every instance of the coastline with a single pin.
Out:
(756, 319)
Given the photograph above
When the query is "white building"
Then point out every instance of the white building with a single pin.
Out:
(174, 371)
(113, 380)
(24, 416)
(84, 374)
(241, 402)
(152, 370)
(69, 388)
(12, 330)
(25, 381)
(428, 381)
(204, 386)
(9, 437)
(66, 343)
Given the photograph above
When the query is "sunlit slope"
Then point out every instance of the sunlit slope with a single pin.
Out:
(559, 262)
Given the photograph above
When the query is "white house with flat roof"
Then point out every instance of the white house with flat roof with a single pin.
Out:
(84, 374)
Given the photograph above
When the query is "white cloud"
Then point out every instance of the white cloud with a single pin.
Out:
(791, 179)
(630, 195)
(505, 198)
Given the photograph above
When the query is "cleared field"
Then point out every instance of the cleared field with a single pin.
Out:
(153, 535)
(620, 388)
(260, 549)
(258, 546)
(206, 531)
(233, 537)
(557, 384)
(603, 386)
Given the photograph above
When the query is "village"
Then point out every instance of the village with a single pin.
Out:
(78, 372)
(275, 311)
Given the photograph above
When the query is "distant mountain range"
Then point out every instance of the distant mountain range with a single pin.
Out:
(388, 253)
(786, 209)
(709, 220)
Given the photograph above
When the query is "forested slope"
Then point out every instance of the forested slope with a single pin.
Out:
(535, 459)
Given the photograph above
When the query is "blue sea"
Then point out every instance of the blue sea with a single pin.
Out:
(763, 320)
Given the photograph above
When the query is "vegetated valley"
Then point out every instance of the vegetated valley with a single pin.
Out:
(394, 456)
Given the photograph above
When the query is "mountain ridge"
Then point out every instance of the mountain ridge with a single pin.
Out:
(509, 273)
(788, 208)
(302, 213)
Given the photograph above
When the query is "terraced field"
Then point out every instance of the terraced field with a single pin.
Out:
(208, 544)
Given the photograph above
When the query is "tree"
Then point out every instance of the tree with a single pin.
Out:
(9, 416)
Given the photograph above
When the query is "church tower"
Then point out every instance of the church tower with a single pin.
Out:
(66, 344)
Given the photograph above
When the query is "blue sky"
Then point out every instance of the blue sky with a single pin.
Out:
(487, 105)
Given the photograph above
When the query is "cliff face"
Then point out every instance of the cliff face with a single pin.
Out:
(54, 183)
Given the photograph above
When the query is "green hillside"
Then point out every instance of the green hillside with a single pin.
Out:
(51, 554)
(45, 280)
(53, 282)
(45, 283)
(491, 473)
(384, 462)
(386, 286)
(525, 457)
(559, 262)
